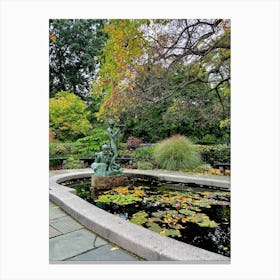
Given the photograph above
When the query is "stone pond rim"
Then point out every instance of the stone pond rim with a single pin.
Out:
(140, 241)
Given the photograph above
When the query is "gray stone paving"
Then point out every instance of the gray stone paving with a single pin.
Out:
(65, 224)
(55, 212)
(69, 240)
(53, 232)
(104, 253)
(71, 244)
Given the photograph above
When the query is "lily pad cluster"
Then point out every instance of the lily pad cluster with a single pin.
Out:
(119, 199)
(174, 209)
(121, 196)
(170, 222)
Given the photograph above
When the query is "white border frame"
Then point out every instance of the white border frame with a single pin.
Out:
(24, 137)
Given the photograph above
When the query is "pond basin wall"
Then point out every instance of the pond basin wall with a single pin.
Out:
(147, 244)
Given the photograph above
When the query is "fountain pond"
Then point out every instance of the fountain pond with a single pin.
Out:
(194, 215)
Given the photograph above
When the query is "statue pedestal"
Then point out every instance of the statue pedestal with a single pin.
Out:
(107, 182)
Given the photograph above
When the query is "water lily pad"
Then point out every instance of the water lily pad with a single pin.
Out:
(171, 219)
(160, 214)
(119, 199)
(106, 198)
(208, 223)
(139, 218)
(138, 191)
(186, 212)
(153, 219)
(176, 226)
(200, 219)
(170, 232)
(154, 227)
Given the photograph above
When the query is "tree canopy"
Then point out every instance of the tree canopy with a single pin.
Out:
(141, 59)
(74, 47)
(159, 77)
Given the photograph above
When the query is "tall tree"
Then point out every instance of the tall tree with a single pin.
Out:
(120, 61)
(153, 50)
(189, 112)
(74, 47)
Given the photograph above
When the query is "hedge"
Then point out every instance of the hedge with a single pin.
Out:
(214, 153)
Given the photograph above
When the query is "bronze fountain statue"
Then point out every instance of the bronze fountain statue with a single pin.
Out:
(105, 161)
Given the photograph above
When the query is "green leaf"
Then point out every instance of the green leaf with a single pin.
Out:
(139, 218)
(154, 227)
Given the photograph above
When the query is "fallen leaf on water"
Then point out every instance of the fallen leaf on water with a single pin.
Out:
(114, 248)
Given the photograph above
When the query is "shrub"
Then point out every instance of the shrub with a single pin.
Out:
(145, 153)
(55, 164)
(133, 143)
(125, 153)
(176, 152)
(57, 149)
(89, 145)
(145, 165)
(203, 168)
(68, 116)
(213, 154)
(72, 163)
(208, 139)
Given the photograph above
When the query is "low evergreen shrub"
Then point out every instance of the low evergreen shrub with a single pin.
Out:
(214, 153)
(145, 153)
(72, 163)
(203, 168)
(145, 165)
(57, 149)
(176, 152)
(62, 149)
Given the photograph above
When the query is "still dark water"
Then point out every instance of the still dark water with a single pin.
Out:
(200, 217)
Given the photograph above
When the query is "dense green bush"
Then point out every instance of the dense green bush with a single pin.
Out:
(68, 116)
(89, 145)
(60, 149)
(213, 154)
(176, 152)
(57, 149)
(208, 139)
(145, 153)
(202, 168)
(145, 165)
(72, 163)
(85, 146)
(125, 153)
(54, 164)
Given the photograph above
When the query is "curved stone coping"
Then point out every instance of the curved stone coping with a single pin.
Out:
(179, 177)
(136, 239)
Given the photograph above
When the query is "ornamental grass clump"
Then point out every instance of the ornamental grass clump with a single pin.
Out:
(177, 152)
